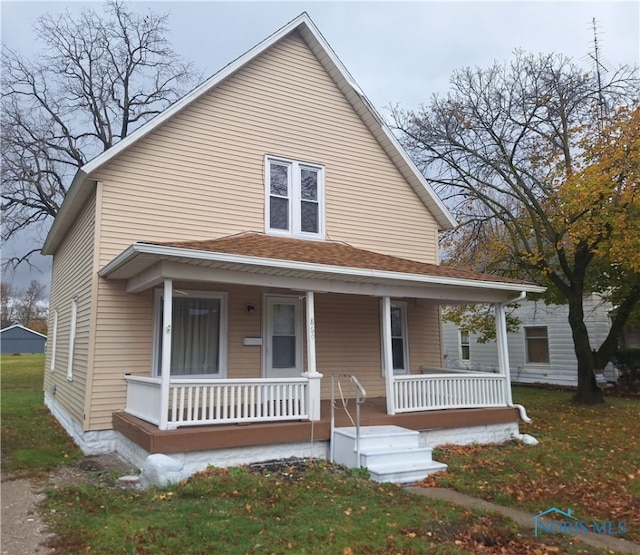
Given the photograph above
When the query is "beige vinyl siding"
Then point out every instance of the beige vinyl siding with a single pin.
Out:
(124, 344)
(423, 321)
(201, 174)
(72, 277)
(244, 361)
(348, 339)
(126, 341)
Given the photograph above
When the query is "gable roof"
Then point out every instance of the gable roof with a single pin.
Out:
(329, 261)
(81, 189)
(14, 326)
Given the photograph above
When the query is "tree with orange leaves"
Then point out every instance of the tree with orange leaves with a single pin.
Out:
(538, 161)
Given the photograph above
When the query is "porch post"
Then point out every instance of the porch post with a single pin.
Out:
(167, 307)
(503, 350)
(312, 374)
(387, 354)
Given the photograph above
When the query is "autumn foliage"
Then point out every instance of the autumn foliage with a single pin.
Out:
(601, 201)
(538, 161)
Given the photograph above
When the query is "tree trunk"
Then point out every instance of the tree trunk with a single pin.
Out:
(588, 392)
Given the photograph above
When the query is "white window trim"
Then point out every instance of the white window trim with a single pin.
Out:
(295, 199)
(54, 341)
(526, 346)
(224, 330)
(467, 344)
(405, 328)
(72, 337)
(266, 328)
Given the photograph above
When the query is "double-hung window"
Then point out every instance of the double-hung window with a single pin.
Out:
(537, 344)
(465, 347)
(294, 204)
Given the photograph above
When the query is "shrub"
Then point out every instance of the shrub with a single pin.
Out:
(628, 362)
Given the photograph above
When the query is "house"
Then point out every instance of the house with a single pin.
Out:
(541, 351)
(213, 270)
(17, 339)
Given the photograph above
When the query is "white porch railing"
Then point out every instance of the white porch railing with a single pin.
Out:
(202, 402)
(143, 398)
(440, 391)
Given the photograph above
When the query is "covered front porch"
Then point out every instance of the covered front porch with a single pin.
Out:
(307, 271)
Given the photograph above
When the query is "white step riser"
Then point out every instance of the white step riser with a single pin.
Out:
(390, 453)
(407, 476)
(419, 455)
(375, 437)
(402, 442)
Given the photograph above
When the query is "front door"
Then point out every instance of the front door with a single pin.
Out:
(283, 337)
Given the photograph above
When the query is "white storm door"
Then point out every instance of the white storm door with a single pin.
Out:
(283, 338)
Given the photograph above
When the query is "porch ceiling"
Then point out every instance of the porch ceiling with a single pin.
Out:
(321, 266)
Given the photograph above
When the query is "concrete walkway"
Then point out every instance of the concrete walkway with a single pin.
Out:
(523, 518)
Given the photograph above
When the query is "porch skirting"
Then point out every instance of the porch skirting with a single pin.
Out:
(221, 436)
(195, 448)
(192, 462)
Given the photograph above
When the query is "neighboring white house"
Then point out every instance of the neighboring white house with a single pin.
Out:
(542, 349)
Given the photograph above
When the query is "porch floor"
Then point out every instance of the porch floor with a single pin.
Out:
(372, 413)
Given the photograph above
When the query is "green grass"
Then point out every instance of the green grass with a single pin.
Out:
(323, 509)
(588, 460)
(316, 510)
(32, 442)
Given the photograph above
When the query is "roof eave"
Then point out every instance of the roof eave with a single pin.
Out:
(312, 35)
(166, 251)
(383, 134)
(73, 202)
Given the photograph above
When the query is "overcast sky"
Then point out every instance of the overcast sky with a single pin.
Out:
(398, 52)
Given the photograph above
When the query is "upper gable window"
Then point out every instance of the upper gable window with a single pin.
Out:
(294, 198)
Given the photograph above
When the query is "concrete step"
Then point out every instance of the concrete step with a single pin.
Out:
(385, 455)
(380, 436)
(404, 473)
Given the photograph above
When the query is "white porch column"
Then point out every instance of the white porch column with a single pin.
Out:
(503, 350)
(312, 374)
(387, 354)
(167, 307)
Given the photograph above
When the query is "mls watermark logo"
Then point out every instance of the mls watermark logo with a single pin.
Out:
(566, 523)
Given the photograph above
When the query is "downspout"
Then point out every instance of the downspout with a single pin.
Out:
(504, 355)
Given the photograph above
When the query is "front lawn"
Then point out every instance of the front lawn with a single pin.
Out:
(588, 460)
(32, 441)
(319, 508)
(316, 508)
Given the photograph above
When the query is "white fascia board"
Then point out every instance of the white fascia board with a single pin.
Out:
(311, 33)
(196, 93)
(72, 202)
(177, 252)
(70, 205)
(441, 294)
(442, 214)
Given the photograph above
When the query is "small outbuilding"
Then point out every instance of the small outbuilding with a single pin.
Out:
(18, 339)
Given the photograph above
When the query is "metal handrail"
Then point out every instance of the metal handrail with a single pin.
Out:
(360, 398)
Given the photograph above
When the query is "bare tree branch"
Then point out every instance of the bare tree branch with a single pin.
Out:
(501, 148)
(101, 74)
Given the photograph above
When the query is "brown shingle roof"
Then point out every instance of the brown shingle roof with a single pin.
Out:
(328, 253)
